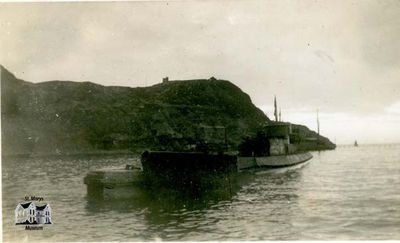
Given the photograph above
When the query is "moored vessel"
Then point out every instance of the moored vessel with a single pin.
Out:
(208, 165)
(273, 146)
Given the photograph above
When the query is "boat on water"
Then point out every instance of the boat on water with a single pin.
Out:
(273, 147)
(355, 144)
(207, 165)
(186, 171)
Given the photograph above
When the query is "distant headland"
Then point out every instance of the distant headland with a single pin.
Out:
(65, 117)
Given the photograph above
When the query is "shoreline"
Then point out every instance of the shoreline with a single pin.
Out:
(93, 153)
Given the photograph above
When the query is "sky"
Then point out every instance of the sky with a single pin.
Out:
(340, 57)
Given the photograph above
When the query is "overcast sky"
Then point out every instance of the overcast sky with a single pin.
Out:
(341, 57)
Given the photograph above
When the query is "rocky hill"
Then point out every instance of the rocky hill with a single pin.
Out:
(62, 117)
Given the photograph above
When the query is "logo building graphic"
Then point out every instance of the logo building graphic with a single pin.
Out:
(29, 213)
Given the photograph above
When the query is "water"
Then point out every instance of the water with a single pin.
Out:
(352, 193)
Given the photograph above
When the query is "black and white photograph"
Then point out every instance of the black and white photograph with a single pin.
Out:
(232, 120)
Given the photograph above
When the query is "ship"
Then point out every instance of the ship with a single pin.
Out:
(207, 163)
(192, 167)
(273, 146)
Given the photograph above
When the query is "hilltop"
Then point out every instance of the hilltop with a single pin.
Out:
(62, 117)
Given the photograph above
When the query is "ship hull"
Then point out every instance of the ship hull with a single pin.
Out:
(191, 170)
(186, 171)
(277, 161)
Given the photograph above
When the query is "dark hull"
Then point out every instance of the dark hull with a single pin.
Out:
(189, 172)
(187, 169)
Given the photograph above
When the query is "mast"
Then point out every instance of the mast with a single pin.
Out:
(275, 109)
(318, 121)
(280, 115)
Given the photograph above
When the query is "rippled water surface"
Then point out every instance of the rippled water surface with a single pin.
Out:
(347, 194)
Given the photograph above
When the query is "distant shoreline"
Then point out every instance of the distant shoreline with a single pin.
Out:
(367, 144)
(73, 154)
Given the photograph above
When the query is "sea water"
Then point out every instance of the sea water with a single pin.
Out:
(351, 193)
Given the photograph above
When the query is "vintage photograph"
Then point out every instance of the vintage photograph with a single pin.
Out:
(247, 120)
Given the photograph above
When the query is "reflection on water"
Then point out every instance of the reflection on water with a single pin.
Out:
(173, 214)
(165, 199)
(339, 195)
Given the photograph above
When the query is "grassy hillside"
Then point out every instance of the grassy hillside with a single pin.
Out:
(65, 117)
(62, 117)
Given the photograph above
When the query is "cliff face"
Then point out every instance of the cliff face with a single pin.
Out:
(64, 117)
(61, 117)
(310, 140)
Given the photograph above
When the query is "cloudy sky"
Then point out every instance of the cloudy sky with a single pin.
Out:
(341, 57)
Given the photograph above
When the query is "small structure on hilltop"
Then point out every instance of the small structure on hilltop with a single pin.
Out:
(165, 80)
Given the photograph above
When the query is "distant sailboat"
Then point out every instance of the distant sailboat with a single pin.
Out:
(355, 144)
